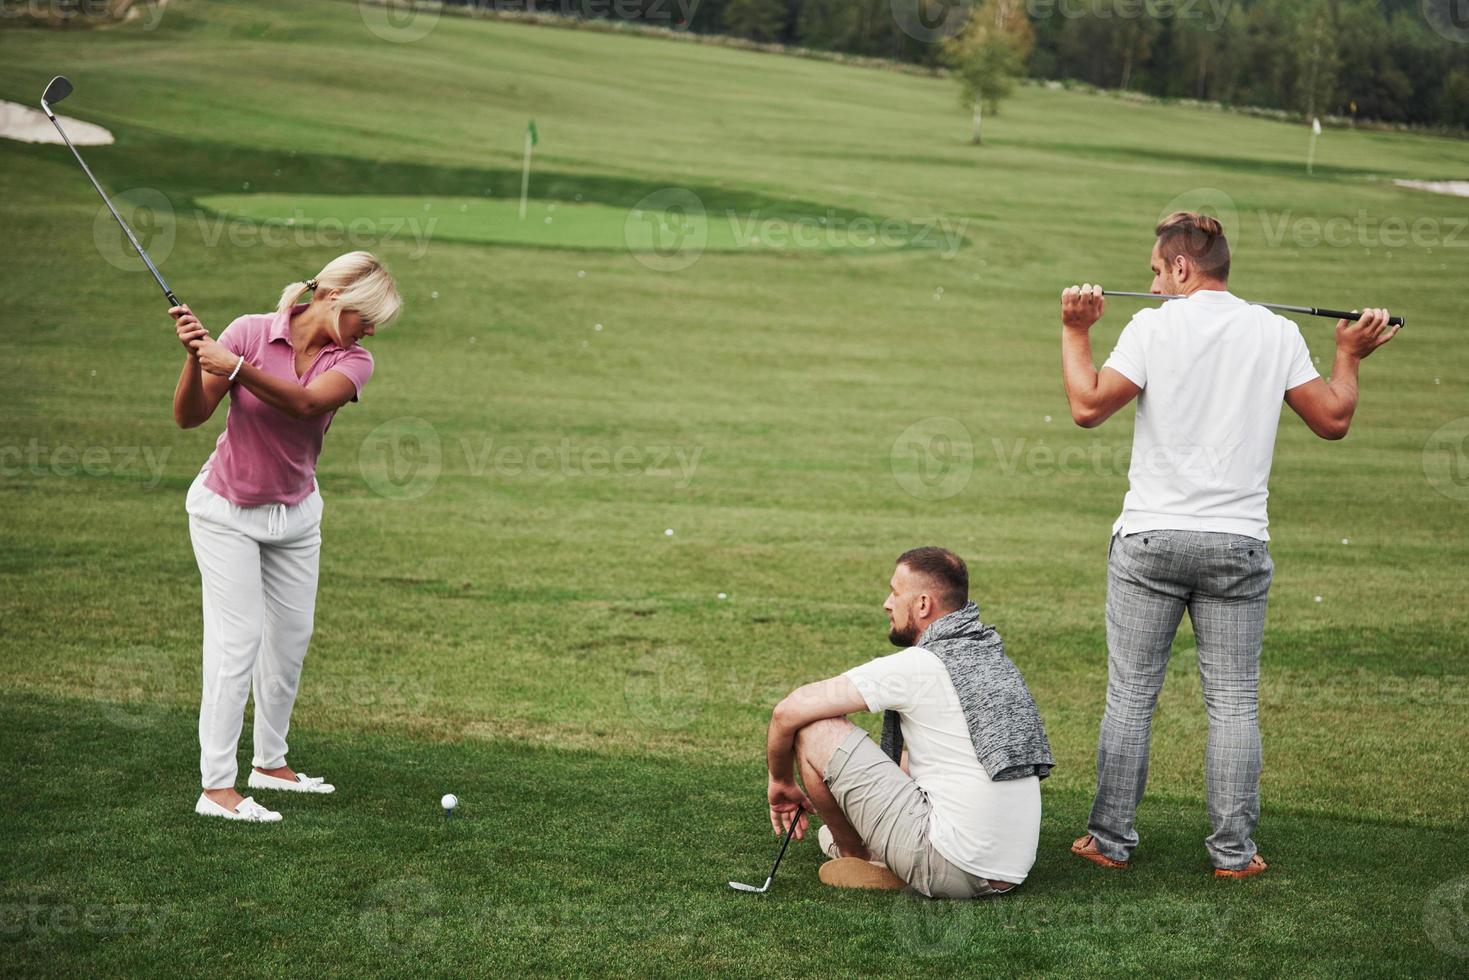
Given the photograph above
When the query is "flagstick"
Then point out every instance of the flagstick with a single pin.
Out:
(1311, 154)
(525, 175)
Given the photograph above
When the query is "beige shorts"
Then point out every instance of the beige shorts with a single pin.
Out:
(892, 812)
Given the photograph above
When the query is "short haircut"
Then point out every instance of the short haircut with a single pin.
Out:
(945, 570)
(1198, 236)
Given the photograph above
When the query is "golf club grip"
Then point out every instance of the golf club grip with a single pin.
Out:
(1392, 321)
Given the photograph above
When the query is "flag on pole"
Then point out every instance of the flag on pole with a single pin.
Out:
(1311, 153)
(1315, 127)
(531, 139)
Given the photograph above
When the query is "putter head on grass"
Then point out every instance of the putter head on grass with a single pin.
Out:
(740, 886)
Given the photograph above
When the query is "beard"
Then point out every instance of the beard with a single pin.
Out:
(903, 636)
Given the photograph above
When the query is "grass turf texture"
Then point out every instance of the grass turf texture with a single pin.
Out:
(524, 634)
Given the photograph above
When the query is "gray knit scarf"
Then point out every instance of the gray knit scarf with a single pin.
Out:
(1004, 725)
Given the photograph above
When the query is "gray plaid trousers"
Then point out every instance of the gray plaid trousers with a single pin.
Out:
(1223, 581)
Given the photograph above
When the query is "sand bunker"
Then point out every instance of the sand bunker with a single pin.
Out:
(21, 122)
(1458, 188)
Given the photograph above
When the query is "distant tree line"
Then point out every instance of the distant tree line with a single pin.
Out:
(1366, 59)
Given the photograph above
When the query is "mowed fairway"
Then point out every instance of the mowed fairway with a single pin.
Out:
(502, 614)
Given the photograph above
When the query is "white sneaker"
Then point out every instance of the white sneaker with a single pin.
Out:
(301, 784)
(248, 810)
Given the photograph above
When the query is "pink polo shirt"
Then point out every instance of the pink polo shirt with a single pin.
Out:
(265, 456)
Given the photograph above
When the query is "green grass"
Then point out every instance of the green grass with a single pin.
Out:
(513, 625)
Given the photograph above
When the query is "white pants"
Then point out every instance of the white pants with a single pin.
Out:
(259, 568)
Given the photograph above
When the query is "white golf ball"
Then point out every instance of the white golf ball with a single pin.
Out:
(449, 802)
(723, 595)
(668, 532)
(1319, 599)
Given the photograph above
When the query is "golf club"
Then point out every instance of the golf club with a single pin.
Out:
(58, 89)
(1395, 321)
(740, 886)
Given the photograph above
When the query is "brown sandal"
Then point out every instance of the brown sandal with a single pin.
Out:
(857, 873)
(1086, 846)
(1256, 865)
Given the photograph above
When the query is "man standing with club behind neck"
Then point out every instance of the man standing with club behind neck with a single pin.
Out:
(1209, 372)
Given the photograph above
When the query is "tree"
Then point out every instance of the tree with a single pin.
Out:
(758, 20)
(988, 55)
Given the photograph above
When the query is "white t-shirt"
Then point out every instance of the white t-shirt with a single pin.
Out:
(987, 828)
(1213, 371)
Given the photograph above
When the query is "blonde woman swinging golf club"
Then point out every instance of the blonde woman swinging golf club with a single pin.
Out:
(255, 510)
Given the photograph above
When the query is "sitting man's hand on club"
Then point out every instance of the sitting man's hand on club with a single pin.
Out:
(1361, 337)
(1081, 306)
(188, 327)
(785, 800)
(215, 357)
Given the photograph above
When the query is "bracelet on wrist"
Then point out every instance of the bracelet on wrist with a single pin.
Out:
(239, 364)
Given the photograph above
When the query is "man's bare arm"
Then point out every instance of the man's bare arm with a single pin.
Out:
(1093, 396)
(1327, 407)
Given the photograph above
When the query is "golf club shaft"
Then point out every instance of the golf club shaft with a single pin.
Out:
(172, 299)
(1395, 321)
(783, 844)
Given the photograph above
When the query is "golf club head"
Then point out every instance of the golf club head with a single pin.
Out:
(58, 89)
(740, 886)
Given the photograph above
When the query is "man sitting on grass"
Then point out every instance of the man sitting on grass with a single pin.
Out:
(955, 815)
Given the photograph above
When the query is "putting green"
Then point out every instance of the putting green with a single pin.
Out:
(669, 225)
